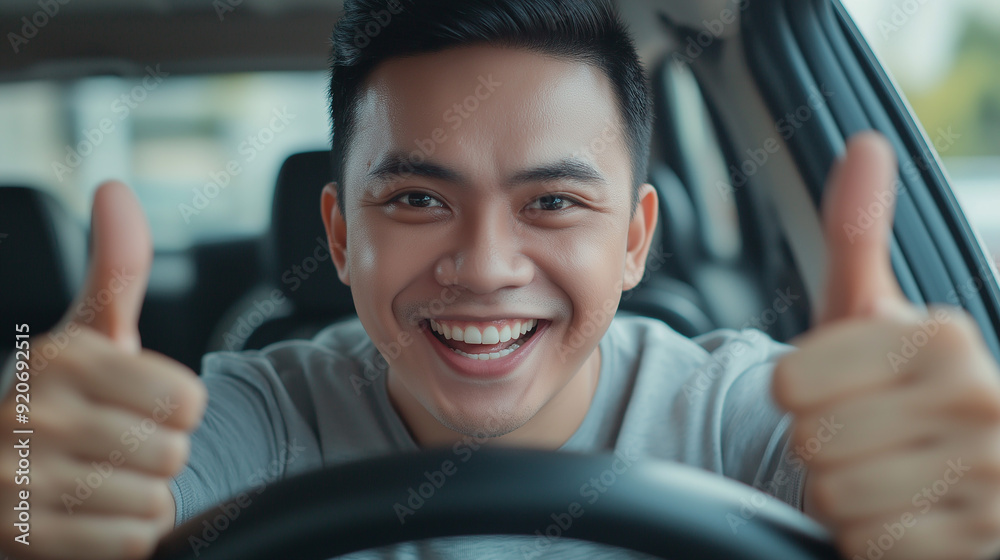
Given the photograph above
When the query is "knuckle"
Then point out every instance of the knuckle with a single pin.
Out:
(987, 520)
(89, 430)
(958, 330)
(54, 427)
(802, 430)
(782, 382)
(174, 455)
(825, 495)
(987, 463)
(851, 540)
(193, 400)
(159, 499)
(138, 543)
(977, 391)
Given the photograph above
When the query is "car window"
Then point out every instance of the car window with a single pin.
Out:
(944, 56)
(202, 152)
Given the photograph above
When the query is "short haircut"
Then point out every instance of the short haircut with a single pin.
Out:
(591, 31)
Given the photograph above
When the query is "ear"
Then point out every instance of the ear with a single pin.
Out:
(640, 236)
(336, 231)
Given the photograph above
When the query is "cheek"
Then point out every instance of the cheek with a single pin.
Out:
(379, 269)
(587, 267)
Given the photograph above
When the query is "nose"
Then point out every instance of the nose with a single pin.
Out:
(487, 257)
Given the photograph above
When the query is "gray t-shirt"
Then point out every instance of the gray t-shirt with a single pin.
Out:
(299, 405)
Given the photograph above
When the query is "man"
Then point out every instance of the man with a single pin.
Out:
(487, 248)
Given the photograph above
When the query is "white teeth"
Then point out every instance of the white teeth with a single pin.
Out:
(491, 335)
(491, 355)
(473, 336)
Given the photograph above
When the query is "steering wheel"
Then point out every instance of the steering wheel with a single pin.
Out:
(657, 507)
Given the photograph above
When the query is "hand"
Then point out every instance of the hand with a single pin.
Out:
(110, 421)
(897, 410)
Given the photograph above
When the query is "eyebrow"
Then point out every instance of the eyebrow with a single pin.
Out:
(396, 164)
(571, 169)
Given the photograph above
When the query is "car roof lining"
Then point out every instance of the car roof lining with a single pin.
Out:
(122, 37)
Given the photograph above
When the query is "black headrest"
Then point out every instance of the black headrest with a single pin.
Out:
(44, 252)
(300, 257)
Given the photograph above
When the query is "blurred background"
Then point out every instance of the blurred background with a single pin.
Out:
(169, 138)
(945, 56)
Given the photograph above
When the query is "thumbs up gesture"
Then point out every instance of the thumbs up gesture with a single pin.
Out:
(110, 421)
(913, 468)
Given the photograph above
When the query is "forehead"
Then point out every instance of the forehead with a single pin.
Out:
(489, 111)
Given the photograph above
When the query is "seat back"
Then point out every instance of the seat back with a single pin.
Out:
(297, 259)
(43, 254)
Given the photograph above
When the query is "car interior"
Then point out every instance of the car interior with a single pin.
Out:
(735, 234)
(701, 275)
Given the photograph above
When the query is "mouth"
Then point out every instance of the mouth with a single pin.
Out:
(484, 349)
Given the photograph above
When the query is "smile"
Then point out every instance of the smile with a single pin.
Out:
(484, 340)
(484, 349)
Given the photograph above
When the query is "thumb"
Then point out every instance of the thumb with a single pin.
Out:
(121, 253)
(858, 209)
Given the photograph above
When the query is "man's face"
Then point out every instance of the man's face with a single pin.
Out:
(487, 189)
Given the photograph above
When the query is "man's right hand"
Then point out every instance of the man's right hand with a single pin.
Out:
(111, 421)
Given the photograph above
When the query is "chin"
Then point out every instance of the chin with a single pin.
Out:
(484, 422)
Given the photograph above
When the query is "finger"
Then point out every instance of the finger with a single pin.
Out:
(858, 210)
(832, 363)
(910, 535)
(103, 489)
(121, 254)
(909, 478)
(109, 439)
(148, 384)
(875, 423)
(92, 537)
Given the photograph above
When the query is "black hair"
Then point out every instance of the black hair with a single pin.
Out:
(591, 31)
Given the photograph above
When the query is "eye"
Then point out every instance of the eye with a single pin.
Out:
(418, 200)
(552, 203)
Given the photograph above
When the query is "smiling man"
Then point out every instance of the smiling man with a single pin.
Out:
(488, 211)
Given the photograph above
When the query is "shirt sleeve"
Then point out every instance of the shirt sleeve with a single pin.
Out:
(252, 435)
(756, 433)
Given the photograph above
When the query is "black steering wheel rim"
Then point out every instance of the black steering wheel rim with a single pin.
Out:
(656, 507)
